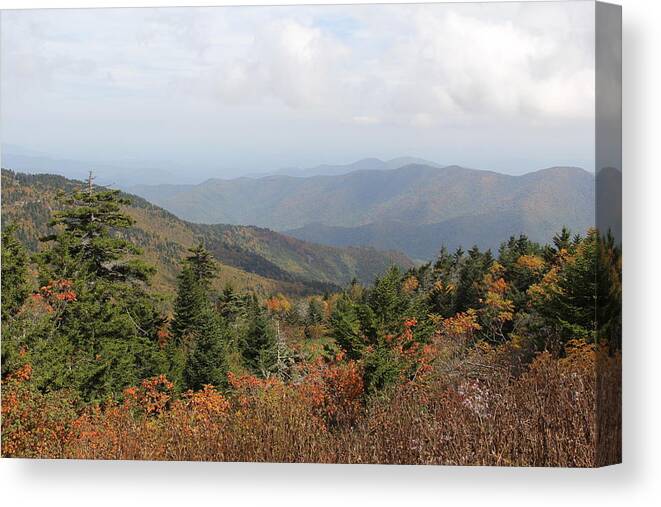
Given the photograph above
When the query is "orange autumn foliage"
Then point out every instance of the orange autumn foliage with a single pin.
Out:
(475, 412)
(334, 390)
(410, 285)
(531, 262)
(278, 304)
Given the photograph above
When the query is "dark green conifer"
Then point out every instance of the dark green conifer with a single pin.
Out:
(15, 284)
(104, 335)
(15, 290)
(346, 327)
(86, 241)
(258, 339)
(191, 300)
(206, 362)
(202, 264)
(387, 301)
(192, 321)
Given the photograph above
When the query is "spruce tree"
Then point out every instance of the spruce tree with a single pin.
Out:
(15, 284)
(442, 286)
(105, 330)
(346, 327)
(258, 340)
(84, 243)
(196, 328)
(315, 313)
(232, 305)
(202, 264)
(561, 241)
(583, 298)
(473, 268)
(189, 304)
(387, 300)
(193, 291)
(206, 362)
(573, 307)
(15, 290)
(520, 276)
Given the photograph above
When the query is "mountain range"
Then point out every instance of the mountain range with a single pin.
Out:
(365, 164)
(249, 257)
(416, 208)
(31, 161)
(125, 174)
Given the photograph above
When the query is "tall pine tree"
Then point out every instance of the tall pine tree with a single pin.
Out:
(15, 285)
(199, 339)
(206, 362)
(104, 334)
(15, 290)
(258, 342)
(189, 304)
(193, 291)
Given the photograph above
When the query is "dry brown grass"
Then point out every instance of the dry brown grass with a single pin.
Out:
(557, 412)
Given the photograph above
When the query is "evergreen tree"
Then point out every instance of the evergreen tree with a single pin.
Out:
(521, 275)
(561, 241)
(346, 327)
(15, 284)
(15, 290)
(104, 331)
(203, 265)
(192, 321)
(442, 284)
(473, 268)
(206, 362)
(381, 369)
(84, 244)
(258, 340)
(190, 302)
(387, 301)
(583, 299)
(609, 292)
(315, 313)
(575, 303)
(587, 302)
(193, 291)
(232, 305)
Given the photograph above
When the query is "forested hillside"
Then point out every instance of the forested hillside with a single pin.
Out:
(420, 241)
(251, 257)
(507, 358)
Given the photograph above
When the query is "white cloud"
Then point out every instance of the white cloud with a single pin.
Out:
(446, 60)
(365, 120)
(407, 74)
(417, 65)
(459, 66)
(288, 61)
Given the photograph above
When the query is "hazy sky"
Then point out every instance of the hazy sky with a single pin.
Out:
(508, 87)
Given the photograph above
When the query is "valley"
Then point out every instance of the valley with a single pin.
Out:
(415, 209)
(251, 257)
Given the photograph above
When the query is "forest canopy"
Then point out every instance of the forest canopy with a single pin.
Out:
(89, 343)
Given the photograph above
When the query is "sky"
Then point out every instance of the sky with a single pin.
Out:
(227, 91)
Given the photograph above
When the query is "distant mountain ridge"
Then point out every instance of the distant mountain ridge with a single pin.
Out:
(127, 174)
(416, 208)
(366, 164)
(250, 257)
